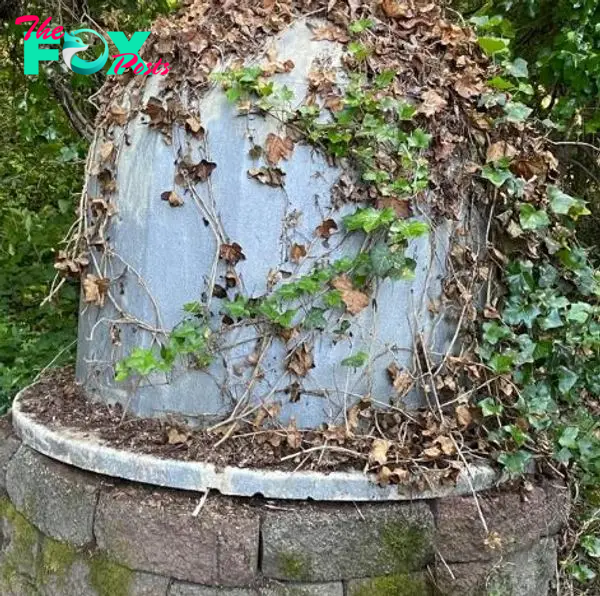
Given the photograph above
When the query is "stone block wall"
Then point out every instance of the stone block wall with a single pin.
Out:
(64, 532)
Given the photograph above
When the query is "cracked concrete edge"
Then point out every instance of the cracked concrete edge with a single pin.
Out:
(86, 451)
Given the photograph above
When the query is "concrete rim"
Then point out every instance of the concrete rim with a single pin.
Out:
(88, 452)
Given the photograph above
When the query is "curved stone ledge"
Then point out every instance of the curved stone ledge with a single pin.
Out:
(87, 452)
(65, 531)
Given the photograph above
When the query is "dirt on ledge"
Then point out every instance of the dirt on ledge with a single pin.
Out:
(401, 448)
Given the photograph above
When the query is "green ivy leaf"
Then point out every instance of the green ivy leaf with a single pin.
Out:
(566, 380)
(500, 83)
(369, 219)
(360, 25)
(238, 308)
(563, 204)
(502, 363)
(568, 437)
(403, 229)
(494, 332)
(591, 544)
(497, 176)
(357, 360)
(579, 312)
(517, 68)
(552, 321)
(382, 259)
(581, 572)
(419, 139)
(516, 112)
(384, 79)
(315, 319)
(490, 407)
(493, 45)
(531, 218)
(515, 463)
(333, 299)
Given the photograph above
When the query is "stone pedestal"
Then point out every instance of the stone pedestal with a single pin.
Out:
(68, 532)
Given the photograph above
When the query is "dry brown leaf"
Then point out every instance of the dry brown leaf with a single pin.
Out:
(447, 445)
(278, 67)
(194, 126)
(300, 360)
(297, 252)
(384, 476)
(432, 452)
(94, 289)
(499, 150)
(468, 86)
(118, 115)
(355, 300)
(277, 148)
(330, 33)
(156, 110)
(463, 415)
(395, 9)
(176, 437)
(321, 80)
(232, 253)
(174, 199)
(326, 228)
(535, 166)
(293, 437)
(400, 379)
(379, 450)
(295, 392)
(203, 170)
(270, 176)
(106, 150)
(432, 103)
(401, 208)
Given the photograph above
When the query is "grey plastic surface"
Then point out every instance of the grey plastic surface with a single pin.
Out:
(162, 257)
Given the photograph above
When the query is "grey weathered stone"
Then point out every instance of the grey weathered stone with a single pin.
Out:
(299, 589)
(525, 573)
(513, 522)
(186, 589)
(9, 443)
(337, 542)
(156, 532)
(410, 584)
(59, 500)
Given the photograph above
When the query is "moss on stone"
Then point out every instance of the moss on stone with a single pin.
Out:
(404, 546)
(393, 585)
(109, 578)
(21, 552)
(57, 560)
(293, 566)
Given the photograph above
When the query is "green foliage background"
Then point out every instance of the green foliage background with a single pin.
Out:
(41, 170)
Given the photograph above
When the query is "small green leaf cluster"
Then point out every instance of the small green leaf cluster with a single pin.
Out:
(511, 90)
(369, 124)
(548, 338)
(190, 340)
(561, 41)
(251, 84)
